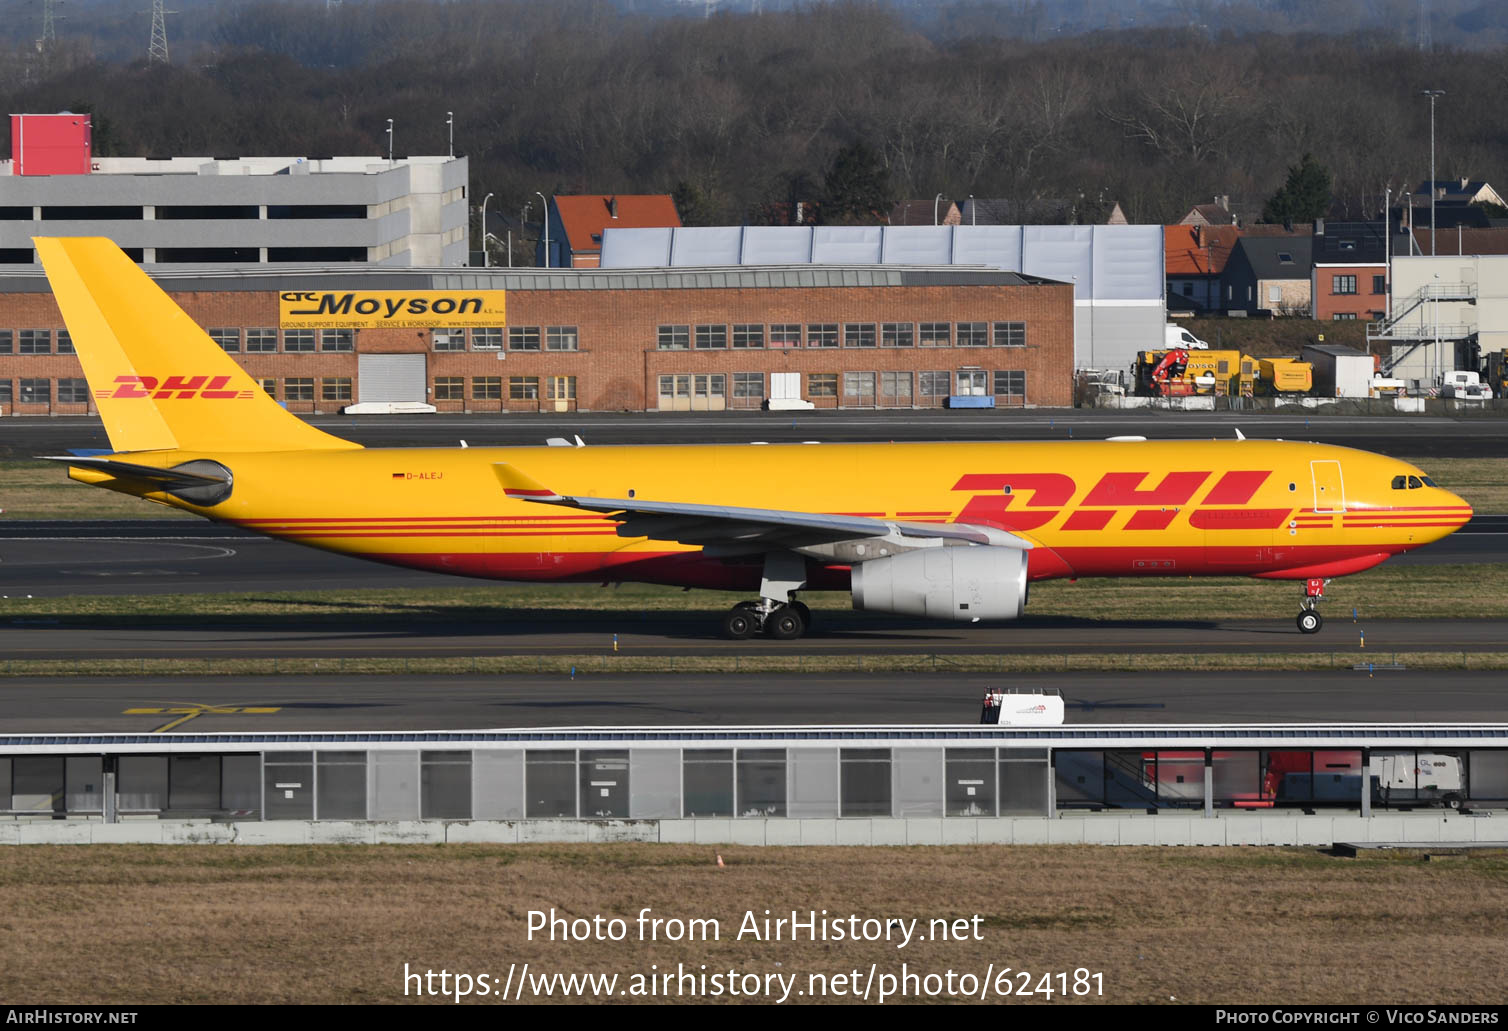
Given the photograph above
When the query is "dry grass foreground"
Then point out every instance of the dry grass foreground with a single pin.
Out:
(337, 924)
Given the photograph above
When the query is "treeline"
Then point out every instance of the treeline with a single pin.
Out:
(744, 112)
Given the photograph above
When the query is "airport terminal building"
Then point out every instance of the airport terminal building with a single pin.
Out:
(499, 340)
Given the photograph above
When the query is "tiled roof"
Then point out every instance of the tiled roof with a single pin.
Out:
(586, 216)
(1198, 250)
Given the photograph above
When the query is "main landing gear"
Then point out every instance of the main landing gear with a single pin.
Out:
(1310, 620)
(777, 613)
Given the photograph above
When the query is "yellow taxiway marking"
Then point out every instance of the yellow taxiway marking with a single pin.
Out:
(188, 711)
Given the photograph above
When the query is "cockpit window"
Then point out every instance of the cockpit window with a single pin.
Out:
(1415, 483)
(1411, 482)
(1400, 482)
(1429, 482)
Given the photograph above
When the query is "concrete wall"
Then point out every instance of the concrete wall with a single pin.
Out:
(1423, 829)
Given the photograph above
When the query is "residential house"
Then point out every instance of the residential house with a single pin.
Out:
(1350, 276)
(1269, 275)
(1194, 258)
(576, 225)
(1216, 214)
(921, 212)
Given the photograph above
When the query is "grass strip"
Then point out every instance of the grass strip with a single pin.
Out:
(587, 665)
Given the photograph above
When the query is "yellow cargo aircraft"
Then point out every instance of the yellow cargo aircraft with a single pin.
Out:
(941, 530)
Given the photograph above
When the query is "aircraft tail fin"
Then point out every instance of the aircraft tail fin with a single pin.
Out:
(157, 379)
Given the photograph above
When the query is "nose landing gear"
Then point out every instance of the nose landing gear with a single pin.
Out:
(1309, 619)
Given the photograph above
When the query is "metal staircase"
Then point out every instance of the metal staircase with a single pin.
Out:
(1421, 331)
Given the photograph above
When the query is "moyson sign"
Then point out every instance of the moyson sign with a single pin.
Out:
(369, 309)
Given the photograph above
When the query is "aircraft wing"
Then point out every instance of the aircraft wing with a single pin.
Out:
(726, 528)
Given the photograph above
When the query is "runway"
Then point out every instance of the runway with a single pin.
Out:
(47, 559)
(1481, 432)
(332, 703)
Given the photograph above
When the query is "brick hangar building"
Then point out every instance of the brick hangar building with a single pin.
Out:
(594, 340)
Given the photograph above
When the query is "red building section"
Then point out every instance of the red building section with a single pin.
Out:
(50, 144)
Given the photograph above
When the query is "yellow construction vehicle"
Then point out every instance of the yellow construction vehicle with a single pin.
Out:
(1284, 376)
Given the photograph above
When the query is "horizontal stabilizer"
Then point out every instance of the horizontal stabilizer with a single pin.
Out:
(169, 478)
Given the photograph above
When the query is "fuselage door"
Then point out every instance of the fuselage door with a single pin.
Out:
(1329, 487)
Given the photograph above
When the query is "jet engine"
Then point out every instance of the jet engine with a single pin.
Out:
(962, 583)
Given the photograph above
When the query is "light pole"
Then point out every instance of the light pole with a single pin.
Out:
(390, 141)
(486, 261)
(450, 125)
(546, 217)
(935, 203)
(1432, 94)
(1387, 256)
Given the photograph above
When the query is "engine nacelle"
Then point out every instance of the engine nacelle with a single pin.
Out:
(962, 583)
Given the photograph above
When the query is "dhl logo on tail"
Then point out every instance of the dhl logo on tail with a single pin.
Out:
(180, 387)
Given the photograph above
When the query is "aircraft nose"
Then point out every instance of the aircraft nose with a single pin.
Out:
(1456, 510)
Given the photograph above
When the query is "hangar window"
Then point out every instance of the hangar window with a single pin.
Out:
(1344, 284)
(450, 340)
(337, 340)
(73, 391)
(822, 334)
(897, 334)
(973, 334)
(858, 334)
(523, 338)
(865, 781)
(5, 391)
(261, 340)
(7, 341)
(858, 388)
(1010, 334)
(228, 339)
(486, 388)
(563, 388)
(523, 388)
(674, 338)
(822, 384)
(939, 334)
(36, 391)
(748, 384)
(337, 388)
(487, 338)
(707, 782)
(748, 335)
(895, 389)
(709, 338)
(1011, 385)
(298, 388)
(785, 334)
(298, 340)
(65, 342)
(760, 781)
(934, 384)
(449, 388)
(562, 338)
(269, 385)
(36, 341)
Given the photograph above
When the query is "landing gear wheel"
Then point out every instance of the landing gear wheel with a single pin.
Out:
(784, 623)
(805, 613)
(1310, 621)
(740, 623)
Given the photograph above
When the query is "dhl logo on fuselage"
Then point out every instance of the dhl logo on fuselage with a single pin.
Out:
(172, 387)
(1048, 494)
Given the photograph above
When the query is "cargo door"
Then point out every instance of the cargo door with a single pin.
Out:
(1329, 487)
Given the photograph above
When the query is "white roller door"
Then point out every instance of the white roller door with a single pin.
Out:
(391, 377)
